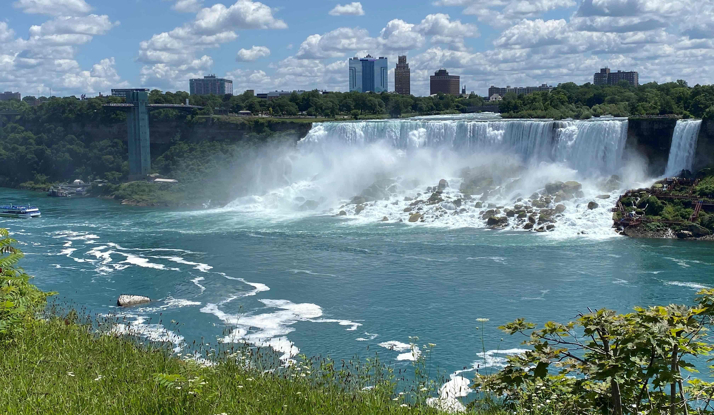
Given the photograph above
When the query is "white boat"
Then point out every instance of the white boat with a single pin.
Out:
(23, 212)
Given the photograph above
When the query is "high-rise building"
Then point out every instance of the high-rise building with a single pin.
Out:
(369, 74)
(442, 82)
(211, 85)
(7, 96)
(402, 77)
(518, 90)
(606, 77)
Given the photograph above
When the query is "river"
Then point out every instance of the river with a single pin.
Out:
(268, 271)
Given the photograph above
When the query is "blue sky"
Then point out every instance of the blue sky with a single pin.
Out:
(90, 46)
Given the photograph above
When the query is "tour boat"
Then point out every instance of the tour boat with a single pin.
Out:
(24, 212)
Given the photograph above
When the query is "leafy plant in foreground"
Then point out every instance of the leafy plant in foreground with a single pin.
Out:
(606, 362)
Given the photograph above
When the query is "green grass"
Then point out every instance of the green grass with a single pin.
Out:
(58, 366)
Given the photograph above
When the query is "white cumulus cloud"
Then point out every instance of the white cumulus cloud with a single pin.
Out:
(252, 54)
(351, 9)
(54, 7)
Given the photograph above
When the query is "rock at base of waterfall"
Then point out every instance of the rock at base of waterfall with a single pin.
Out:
(130, 300)
(415, 217)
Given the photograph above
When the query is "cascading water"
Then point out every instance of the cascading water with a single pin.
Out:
(587, 146)
(387, 170)
(684, 146)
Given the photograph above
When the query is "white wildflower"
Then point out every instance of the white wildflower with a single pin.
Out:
(98, 378)
(482, 320)
(404, 405)
(70, 374)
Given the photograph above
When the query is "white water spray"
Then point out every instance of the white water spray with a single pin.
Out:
(684, 146)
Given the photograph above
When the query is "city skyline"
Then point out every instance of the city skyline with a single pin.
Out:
(80, 47)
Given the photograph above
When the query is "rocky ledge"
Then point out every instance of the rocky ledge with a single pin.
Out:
(673, 208)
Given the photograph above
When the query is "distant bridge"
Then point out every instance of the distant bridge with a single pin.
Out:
(137, 106)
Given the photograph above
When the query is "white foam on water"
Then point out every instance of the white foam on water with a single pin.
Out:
(197, 265)
(270, 329)
(370, 336)
(412, 352)
(151, 332)
(447, 401)
(498, 259)
(142, 262)
(492, 358)
(692, 285)
(197, 282)
(681, 262)
(351, 324)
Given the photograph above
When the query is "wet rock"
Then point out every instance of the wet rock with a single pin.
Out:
(408, 199)
(309, 205)
(603, 197)
(385, 219)
(535, 196)
(547, 200)
(478, 205)
(415, 217)
(560, 208)
(593, 205)
(359, 209)
(488, 213)
(684, 234)
(497, 221)
(579, 194)
(462, 211)
(518, 207)
(543, 218)
(408, 209)
(572, 187)
(416, 203)
(522, 215)
(510, 213)
(429, 189)
(541, 229)
(549, 227)
(435, 198)
(125, 300)
(443, 184)
(532, 219)
(553, 188)
(539, 204)
(458, 203)
(342, 213)
(528, 226)
(358, 200)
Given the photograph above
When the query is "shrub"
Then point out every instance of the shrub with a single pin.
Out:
(605, 362)
(19, 300)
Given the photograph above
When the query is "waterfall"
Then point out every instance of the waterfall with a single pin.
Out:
(684, 146)
(586, 146)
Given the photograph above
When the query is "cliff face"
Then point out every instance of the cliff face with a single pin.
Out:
(651, 138)
(705, 146)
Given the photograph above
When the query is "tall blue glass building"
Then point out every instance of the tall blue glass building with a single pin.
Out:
(369, 74)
